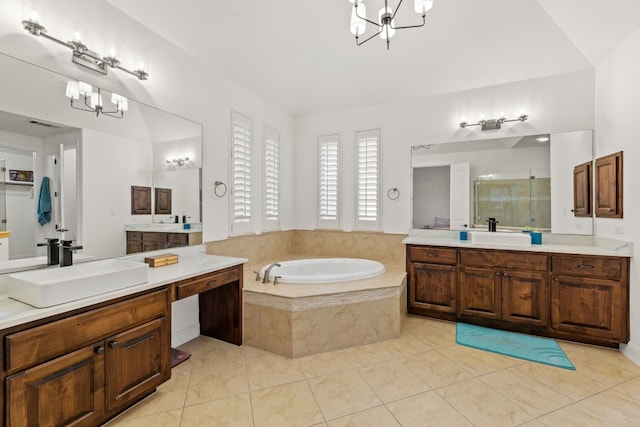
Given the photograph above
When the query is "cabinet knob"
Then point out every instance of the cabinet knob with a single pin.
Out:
(112, 344)
(98, 350)
(432, 255)
(498, 273)
(212, 282)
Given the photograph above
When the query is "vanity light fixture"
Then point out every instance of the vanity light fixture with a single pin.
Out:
(179, 161)
(493, 124)
(385, 26)
(93, 100)
(82, 55)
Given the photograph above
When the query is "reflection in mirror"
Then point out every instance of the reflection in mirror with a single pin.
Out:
(520, 181)
(92, 162)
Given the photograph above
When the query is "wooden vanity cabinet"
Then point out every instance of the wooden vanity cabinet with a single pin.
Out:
(87, 367)
(590, 297)
(504, 285)
(144, 241)
(433, 283)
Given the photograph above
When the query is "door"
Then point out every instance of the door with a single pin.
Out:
(480, 293)
(138, 360)
(66, 391)
(460, 196)
(525, 297)
(433, 287)
(582, 190)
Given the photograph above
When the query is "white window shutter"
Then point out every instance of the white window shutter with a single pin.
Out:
(242, 138)
(368, 180)
(271, 140)
(328, 180)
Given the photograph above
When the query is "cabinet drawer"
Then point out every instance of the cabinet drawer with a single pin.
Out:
(178, 238)
(431, 255)
(134, 235)
(194, 286)
(154, 237)
(585, 266)
(39, 344)
(504, 259)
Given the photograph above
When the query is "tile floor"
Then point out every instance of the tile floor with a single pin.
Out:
(421, 379)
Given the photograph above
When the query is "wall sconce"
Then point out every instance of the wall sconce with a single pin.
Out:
(493, 124)
(179, 161)
(82, 55)
(93, 100)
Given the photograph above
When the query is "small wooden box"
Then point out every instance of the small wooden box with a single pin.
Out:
(161, 260)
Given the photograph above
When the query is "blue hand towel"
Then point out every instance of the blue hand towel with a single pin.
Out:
(44, 202)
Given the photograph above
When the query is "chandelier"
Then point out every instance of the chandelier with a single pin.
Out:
(385, 26)
(93, 100)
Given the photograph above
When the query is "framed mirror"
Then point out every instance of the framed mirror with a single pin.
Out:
(92, 162)
(521, 181)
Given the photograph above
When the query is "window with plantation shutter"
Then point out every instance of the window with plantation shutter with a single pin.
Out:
(368, 180)
(329, 175)
(271, 148)
(242, 137)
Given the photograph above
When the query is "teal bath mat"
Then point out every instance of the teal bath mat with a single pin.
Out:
(527, 347)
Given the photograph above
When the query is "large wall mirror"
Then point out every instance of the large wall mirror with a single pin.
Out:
(524, 181)
(91, 163)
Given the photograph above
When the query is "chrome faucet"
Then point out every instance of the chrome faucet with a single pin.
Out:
(265, 279)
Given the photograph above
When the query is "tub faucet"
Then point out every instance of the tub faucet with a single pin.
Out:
(265, 279)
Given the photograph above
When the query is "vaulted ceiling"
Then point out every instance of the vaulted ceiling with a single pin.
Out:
(300, 55)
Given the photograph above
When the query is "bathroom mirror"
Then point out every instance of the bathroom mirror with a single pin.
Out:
(521, 181)
(97, 158)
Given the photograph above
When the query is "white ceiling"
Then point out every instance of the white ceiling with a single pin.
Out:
(299, 54)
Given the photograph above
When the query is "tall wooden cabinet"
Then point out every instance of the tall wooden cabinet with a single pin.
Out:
(576, 297)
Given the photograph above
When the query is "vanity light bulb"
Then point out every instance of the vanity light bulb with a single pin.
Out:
(73, 89)
(85, 88)
(77, 36)
(33, 16)
(112, 52)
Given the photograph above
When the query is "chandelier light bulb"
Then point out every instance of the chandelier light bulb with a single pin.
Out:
(358, 25)
(387, 31)
(422, 6)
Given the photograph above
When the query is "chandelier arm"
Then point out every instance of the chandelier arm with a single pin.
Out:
(113, 114)
(361, 43)
(91, 110)
(366, 19)
(395, 11)
(424, 21)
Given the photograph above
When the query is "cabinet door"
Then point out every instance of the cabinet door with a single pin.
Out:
(137, 360)
(66, 391)
(582, 190)
(433, 287)
(589, 307)
(480, 292)
(608, 194)
(525, 297)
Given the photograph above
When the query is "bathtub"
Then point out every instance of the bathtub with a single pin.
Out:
(324, 270)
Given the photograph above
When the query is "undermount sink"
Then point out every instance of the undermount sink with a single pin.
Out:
(500, 238)
(53, 286)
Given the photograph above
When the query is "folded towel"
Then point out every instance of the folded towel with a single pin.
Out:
(44, 202)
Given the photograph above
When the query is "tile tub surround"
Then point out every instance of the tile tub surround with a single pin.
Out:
(385, 248)
(296, 320)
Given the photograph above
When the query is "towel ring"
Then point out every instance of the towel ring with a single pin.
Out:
(216, 191)
(393, 193)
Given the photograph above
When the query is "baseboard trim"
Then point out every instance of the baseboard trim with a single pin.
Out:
(185, 335)
(632, 351)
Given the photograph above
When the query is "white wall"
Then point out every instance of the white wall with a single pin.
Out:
(617, 104)
(554, 104)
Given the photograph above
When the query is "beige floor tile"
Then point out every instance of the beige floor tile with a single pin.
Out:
(366, 355)
(533, 423)
(426, 410)
(592, 352)
(253, 353)
(435, 369)
(164, 419)
(208, 351)
(234, 411)
(606, 366)
(407, 345)
(616, 407)
(572, 384)
(434, 337)
(531, 395)
(392, 380)
(322, 364)
(575, 415)
(342, 393)
(482, 405)
(287, 404)
(478, 362)
(216, 382)
(631, 389)
(272, 370)
(374, 417)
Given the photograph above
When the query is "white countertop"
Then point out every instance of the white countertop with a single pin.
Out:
(553, 243)
(192, 261)
(171, 227)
